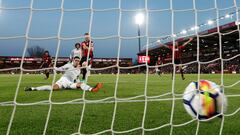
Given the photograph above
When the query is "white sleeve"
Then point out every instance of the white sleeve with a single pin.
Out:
(71, 55)
(62, 68)
(80, 51)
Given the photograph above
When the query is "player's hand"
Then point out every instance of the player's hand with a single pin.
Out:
(84, 64)
(78, 67)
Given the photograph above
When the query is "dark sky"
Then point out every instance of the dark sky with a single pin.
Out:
(104, 23)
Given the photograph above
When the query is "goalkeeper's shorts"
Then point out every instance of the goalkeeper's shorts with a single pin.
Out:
(46, 65)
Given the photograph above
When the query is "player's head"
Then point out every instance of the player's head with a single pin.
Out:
(87, 36)
(76, 61)
(46, 53)
(77, 45)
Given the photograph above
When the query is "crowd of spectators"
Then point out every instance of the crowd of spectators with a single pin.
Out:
(230, 66)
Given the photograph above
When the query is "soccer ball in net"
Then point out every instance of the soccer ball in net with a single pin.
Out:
(205, 102)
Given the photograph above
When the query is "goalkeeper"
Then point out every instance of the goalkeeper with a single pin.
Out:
(69, 80)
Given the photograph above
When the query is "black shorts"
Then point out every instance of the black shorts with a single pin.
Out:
(45, 65)
(177, 61)
(84, 59)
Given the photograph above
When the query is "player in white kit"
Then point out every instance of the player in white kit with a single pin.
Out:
(69, 80)
(77, 51)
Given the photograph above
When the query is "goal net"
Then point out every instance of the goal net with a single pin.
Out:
(134, 100)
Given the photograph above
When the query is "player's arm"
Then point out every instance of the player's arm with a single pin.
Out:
(84, 46)
(41, 65)
(71, 55)
(92, 48)
(43, 59)
(190, 39)
(62, 68)
(51, 60)
(42, 62)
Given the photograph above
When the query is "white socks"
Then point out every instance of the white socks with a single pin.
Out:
(45, 87)
(85, 87)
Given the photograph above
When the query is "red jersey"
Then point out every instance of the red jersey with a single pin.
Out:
(178, 51)
(47, 59)
(85, 51)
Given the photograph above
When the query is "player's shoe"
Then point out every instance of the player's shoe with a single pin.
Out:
(97, 87)
(28, 89)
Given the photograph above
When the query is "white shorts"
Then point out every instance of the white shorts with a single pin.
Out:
(64, 83)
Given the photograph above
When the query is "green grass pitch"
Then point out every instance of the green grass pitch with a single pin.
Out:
(64, 119)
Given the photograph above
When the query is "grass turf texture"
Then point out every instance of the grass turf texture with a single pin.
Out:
(65, 119)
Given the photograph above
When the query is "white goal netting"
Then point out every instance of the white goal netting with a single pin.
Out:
(221, 15)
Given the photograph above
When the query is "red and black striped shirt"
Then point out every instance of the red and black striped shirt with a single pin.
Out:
(85, 51)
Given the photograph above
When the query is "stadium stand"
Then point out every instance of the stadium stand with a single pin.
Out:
(34, 63)
(209, 50)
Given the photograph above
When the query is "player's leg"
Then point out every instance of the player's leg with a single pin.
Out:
(181, 71)
(46, 71)
(58, 85)
(83, 70)
(89, 66)
(43, 88)
(173, 66)
(40, 88)
(85, 87)
(159, 71)
(47, 74)
(88, 69)
(173, 70)
(156, 69)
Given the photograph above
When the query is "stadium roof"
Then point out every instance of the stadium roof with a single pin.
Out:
(208, 41)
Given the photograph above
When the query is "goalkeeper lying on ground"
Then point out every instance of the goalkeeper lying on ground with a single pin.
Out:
(69, 80)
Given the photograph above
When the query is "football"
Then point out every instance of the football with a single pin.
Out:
(204, 99)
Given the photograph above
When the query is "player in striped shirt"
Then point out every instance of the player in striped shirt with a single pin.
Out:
(87, 54)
